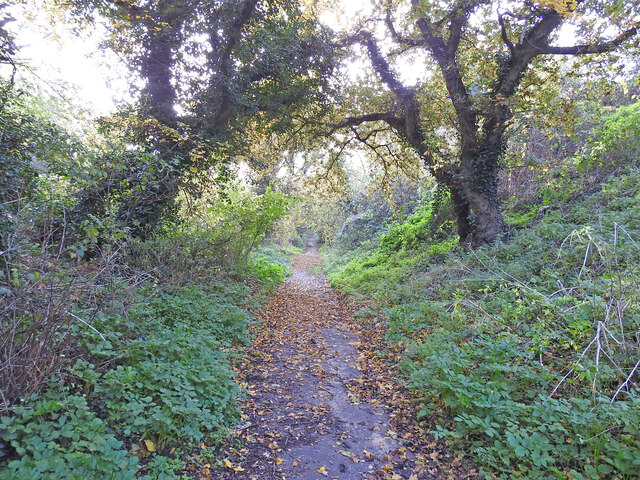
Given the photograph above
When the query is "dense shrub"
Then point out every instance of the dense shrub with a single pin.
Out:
(270, 264)
(418, 240)
(175, 387)
(220, 238)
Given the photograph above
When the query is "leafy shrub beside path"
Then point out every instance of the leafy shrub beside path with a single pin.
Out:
(523, 355)
(161, 378)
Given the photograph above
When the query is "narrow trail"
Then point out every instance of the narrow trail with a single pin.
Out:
(304, 417)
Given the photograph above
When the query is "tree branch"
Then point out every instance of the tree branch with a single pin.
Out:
(400, 40)
(456, 89)
(221, 61)
(503, 33)
(382, 67)
(592, 48)
(387, 117)
(238, 24)
(532, 44)
(455, 32)
(459, 18)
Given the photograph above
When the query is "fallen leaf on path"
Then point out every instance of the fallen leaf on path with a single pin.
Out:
(322, 470)
(350, 455)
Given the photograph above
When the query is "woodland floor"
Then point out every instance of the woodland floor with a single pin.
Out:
(322, 400)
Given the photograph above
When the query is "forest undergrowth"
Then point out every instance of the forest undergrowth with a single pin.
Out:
(523, 355)
(118, 354)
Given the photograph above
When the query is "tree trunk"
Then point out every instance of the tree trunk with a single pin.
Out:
(463, 214)
(478, 180)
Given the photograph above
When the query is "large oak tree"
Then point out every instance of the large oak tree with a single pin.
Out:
(479, 56)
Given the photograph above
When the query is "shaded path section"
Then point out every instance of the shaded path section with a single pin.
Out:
(302, 421)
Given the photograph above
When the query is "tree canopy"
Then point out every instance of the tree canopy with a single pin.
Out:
(207, 72)
(207, 69)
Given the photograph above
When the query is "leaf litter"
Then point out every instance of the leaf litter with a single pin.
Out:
(322, 399)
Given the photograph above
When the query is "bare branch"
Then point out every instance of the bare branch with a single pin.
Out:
(503, 33)
(333, 161)
(86, 323)
(626, 383)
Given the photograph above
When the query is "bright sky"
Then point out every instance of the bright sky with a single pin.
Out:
(65, 65)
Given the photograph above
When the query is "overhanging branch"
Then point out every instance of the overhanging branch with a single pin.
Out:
(400, 40)
(592, 48)
(504, 34)
(381, 66)
(387, 117)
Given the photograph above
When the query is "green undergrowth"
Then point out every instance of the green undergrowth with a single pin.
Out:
(522, 354)
(401, 247)
(271, 264)
(151, 373)
(157, 378)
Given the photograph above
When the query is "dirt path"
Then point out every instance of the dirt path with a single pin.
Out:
(305, 413)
